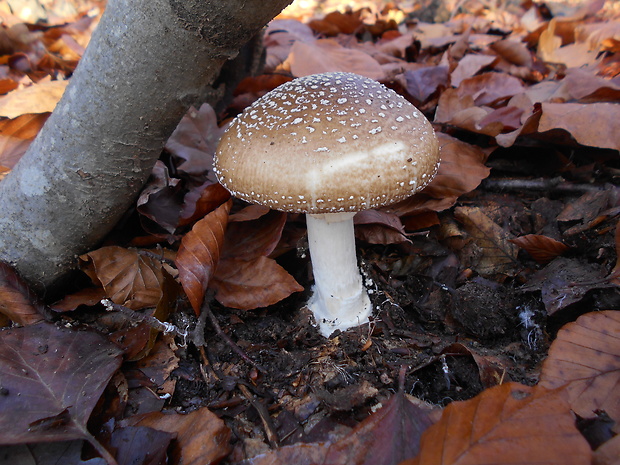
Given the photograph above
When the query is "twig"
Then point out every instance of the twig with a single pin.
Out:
(160, 257)
(557, 184)
(272, 437)
(163, 326)
(207, 309)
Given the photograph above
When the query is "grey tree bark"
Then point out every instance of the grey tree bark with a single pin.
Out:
(147, 62)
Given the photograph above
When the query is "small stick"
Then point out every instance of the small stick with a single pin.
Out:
(207, 309)
(272, 437)
(163, 326)
(557, 184)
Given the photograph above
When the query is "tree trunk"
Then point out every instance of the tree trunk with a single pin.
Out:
(147, 62)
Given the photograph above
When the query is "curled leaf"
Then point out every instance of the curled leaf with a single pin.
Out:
(199, 254)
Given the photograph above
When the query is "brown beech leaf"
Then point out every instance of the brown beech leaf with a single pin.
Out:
(160, 201)
(51, 379)
(199, 254)
(424, 82)
(513, 51)
(379, 227)
(490, 88)
(585, 357)
(128, 277)
(201, 437)
(16, 136)
(565, 281)
(509, 423)
(497, 254)
(601, 130)
(17, 301)
(202, 200)
(469, 66)
(608, 453)
(543, 249)
(252, 284)
(141, 445)
(246, 240)
(387, 437)
(326, 55)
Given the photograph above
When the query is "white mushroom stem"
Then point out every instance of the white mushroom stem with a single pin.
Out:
(340, 300)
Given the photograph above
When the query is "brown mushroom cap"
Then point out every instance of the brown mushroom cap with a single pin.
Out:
(327, 143)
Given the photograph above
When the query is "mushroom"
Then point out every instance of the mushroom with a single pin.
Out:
(329, 145)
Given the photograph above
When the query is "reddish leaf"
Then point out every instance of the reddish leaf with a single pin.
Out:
(52, 378)
(490, 88)
(510, 423)
(128, 277)
(379, 227)
(543, 249)
(252, 284)
(201, 437)
(247, 240)
(199, 254)
(586, 358)
(389, 436)
(17, 301)
(200, 201)
(385, 438)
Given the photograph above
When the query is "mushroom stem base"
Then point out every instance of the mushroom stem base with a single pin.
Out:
(340, 300)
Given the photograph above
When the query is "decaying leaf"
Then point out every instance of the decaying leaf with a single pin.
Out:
(201, 437)
(39, 98)
(543, 249)
(17, 301)
(51, 379)
(496, 253)
(199, 254)
(510, 423)
(586, 358)
(252, 284)
(128, 277)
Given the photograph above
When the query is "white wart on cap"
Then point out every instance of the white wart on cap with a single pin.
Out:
(327, 143)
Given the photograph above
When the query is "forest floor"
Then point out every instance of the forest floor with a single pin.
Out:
(497, 285)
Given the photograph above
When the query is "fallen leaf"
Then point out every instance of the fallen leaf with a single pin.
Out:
(469, 66)
(608, 453)
(194, 141)
(490, 88)
(585, 357)
(200, 201)
(17, 301)
(543, 249)
(549, 43)
(424, 82)
(140, 445)
(128, 277)
(252, 284)
(38, 98)
(379, 227)
(160, 201)
(327, 55)
(509, 423)
(497, 254)
(16, 136)
(601, 117)
(199, 254)
(201, 437)
(566, 281)
(51, 379)
(48, 453)
(247, 240)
